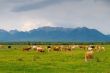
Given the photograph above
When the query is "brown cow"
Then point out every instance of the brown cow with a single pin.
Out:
(26, 49)
(1, 46)
(67, 48)
(89, 54)
(57, 48)
(83, 47)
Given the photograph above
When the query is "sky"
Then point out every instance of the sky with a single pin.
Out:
(25, 15)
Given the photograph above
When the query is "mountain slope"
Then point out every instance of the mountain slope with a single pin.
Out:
(55, 34)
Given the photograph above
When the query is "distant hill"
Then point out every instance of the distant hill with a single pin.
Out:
(54, 34)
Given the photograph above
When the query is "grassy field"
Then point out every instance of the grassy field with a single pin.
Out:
(14, 60)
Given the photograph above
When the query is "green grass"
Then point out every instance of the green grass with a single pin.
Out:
(15, 60)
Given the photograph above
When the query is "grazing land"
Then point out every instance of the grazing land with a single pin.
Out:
(14, 60)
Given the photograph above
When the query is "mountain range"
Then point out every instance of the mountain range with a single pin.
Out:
(55, 34)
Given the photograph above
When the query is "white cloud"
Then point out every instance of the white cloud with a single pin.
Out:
(8, 27)
(29, 25)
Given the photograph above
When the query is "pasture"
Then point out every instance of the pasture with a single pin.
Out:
(15, 60)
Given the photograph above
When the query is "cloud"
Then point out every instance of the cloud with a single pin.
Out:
(17, 1)
(30, 25)
(8, 27)
(38, 5)
(27, 26)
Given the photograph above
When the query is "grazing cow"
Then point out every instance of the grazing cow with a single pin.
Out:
(57, 48)
(89, 54)
(49, 48)
(67, 48)
(39, 49)
(103, 48)
(1, 46)
(83, 47)
(92, 46)
(9, 46)
(99, 48)
(73, 47)
(34, 47)
(26, 49)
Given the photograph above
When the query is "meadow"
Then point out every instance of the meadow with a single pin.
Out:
(14, 60)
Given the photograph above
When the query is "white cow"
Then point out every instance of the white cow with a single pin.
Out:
(39, 49)
(34, 47)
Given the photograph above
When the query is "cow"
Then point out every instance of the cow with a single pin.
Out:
(89, 54)
(9, 46)
(27, 49)
(67, 48)
(1, 46)
(49, 48)
(39, 49)
(99, 48)
(73, 47)
(103, 48)
(83, 47)
(57, 48)
(34, 47)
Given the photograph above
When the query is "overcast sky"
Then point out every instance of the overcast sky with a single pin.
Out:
(25, 15)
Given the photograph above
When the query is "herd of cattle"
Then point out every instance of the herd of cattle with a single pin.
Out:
(64, 48)
(89, 49)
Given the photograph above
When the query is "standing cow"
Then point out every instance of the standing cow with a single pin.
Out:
(39, 49)
(84, 47)
(49, 48)
(34, 47)
(57, 48)
(1, 46)
(27, 49)
(89, 54)
(99, 48)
